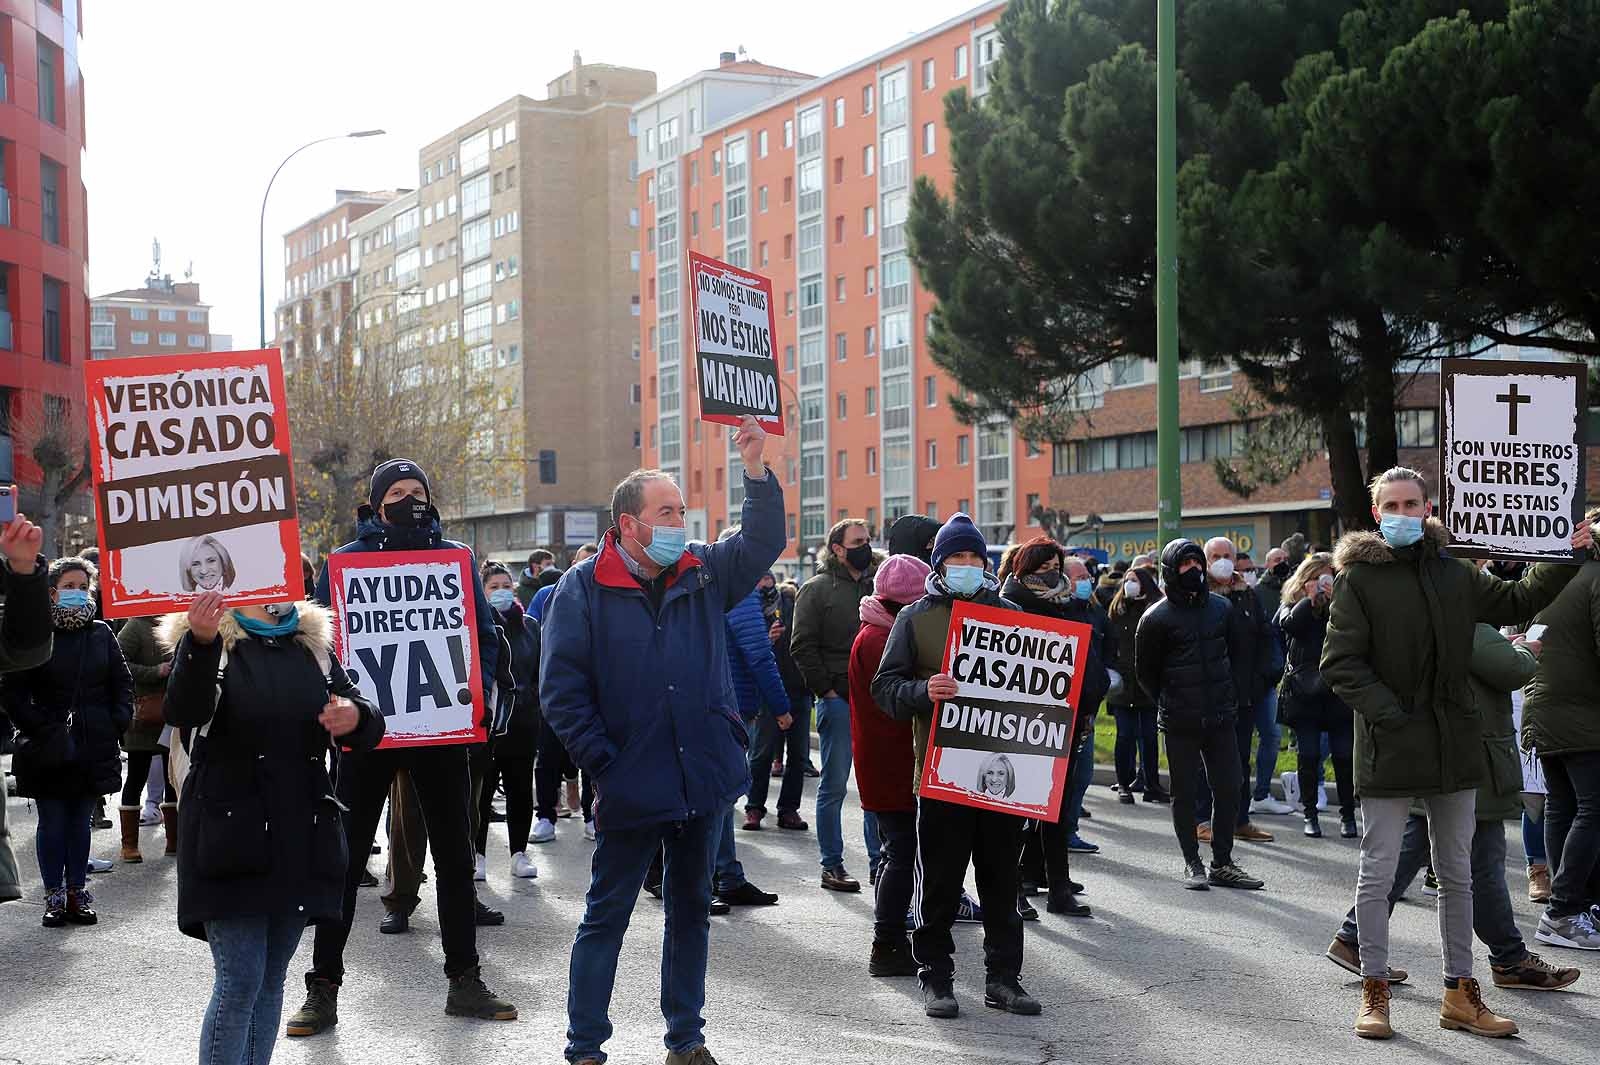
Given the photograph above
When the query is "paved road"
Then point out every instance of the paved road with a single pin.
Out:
(1158, 975)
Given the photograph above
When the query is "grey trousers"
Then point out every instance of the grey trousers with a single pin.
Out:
(1452, 821)
(1493, 919)
(10, 878)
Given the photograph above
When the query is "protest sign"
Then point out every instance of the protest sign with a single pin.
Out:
(193, 486)
(734, 329)
(1002, 743)
(406, 632)
(1511, 457)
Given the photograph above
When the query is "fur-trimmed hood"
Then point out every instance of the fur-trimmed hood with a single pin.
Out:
(1373, 549)
(315, 632)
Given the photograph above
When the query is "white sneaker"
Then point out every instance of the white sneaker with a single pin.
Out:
(543, 831)
(150, 815)
(1291, 789)
(588, 831)
(1269, 805)
(480, 870)
(1322, 796)
(99, 865)
(522, 867)
(1577, 932)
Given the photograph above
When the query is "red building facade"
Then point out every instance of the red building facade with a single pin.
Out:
(44, 233)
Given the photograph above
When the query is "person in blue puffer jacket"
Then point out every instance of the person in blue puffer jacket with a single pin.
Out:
(635, 680)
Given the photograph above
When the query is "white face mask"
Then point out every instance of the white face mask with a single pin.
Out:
(1250, 577)
(1132, 588)
(1222, 570)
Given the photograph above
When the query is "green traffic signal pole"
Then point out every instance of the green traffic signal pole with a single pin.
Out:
(1169, 508)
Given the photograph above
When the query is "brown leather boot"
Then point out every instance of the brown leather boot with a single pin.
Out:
(129, 816)
(1463, 1010)
(1372, 1022)
(169, 822)
(1539, 883)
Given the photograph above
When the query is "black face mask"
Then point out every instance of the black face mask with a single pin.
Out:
(1281, 571)
(408, 513)
(1192, 581)
(858, 557)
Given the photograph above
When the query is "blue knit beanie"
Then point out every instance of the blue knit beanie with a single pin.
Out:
(957, 534)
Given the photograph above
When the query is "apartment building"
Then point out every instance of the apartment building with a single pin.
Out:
(320, 261)
(516, 254)
(161, 317)
(808, 180)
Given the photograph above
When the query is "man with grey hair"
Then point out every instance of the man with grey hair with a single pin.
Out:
(634, 678)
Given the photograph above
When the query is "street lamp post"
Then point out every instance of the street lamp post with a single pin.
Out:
(1169, 490)
(261, 256)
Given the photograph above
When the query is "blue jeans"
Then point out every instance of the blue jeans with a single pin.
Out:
(833, 726)
(62, 841)
(1533, 840)
(1078, 784)
(1271, 736)
(250, 956)
(727, 871)
(621, 857)
(768, 741)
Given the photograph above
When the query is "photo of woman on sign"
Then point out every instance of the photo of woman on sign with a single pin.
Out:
(205, 565)
(997, 778)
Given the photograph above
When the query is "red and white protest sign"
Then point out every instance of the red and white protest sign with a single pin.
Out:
(406, 631)
(193, 481)
(1002, 743)
(734, 335)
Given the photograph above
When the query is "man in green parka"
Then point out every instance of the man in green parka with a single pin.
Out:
(1398, 652)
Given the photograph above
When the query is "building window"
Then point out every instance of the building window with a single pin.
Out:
(963, 452)
(841, 465)
(838, 111)
(547, 467)
(870, 339)
(761, 144)
(788, 189)
(838, 229)
(930, 392)
(50, 199)
(716, 215)
(866, 99)
(841, 405)
(788, 133)
(872, 461)
(927, 73)
(761, 199)
(53, 292)
(838, 169)
(197, 316)
(694, 223)
(961, 61)
(841, 347)
(788, 363)
(197, 340)
(933, 454)
(929, 137)
(838, 289)
(788, 304)
(167, 315)
(872, 400)
(788, 246)
(138, 338)
(168, 339)
(763, 252)
(868, 160)
(48, 65)
(871, 277)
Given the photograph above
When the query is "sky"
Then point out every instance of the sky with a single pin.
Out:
(193, 103)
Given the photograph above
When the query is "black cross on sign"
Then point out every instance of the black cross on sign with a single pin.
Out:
(1511, 398)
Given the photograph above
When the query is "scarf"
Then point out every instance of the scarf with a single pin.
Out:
(1041, 587)
(71, 619)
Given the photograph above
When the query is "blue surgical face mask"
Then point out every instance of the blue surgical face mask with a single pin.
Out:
(1399, 530)
(72, 598)
(1082, 588)
(963, 580)
(666, 544)
(285, 624)
(502, 598)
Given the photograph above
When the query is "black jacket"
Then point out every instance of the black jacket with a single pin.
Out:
(1125, 625)
(1102, 645)
(794, 681)
(86, 676)
(1181, 652)
(1252, 647)
(259, 829)
(1304, 701)
(522, 633)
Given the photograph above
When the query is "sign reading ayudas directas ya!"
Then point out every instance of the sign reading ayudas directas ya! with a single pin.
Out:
(1002, 743)
(1511, 456)
(193, 486)
(734, 327)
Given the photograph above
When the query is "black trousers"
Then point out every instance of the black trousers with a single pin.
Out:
(1217, 750)
(948, 838)
(517, 776)
(897, 839)
(1308, 765)
(554, 766)
(1045, 859)
(138, 773)
(441, 778)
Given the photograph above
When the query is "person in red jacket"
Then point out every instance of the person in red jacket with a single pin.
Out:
(884, 764)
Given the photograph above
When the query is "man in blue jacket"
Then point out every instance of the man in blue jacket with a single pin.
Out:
(399, 516)
(635, 679)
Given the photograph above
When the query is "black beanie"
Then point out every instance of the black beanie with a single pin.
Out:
(387, 473)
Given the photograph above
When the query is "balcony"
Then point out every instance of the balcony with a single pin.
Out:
(896, 358)
(810, 144)
(892, 238)
(738, 227)
(666, 201)
(735, 176)
(893, 113)
(896, 418)
(810, 318)
(810, 202)
(894, 296)
(810, 261)
(894, 175)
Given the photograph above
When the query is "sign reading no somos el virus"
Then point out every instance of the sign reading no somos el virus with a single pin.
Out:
(1002, 743)
(1512, 457)
(734, 327)
(405, 630)
(193, 488)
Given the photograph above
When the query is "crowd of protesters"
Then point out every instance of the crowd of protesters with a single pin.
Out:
(1448, 697)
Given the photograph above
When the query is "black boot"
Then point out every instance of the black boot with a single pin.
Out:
(469, 997)
(1064, 901)
(892, 959)
(321, 1009)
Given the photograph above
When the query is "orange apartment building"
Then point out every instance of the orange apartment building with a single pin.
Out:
(808, 181)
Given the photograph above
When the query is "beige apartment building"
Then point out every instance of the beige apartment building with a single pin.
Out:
(516, 254)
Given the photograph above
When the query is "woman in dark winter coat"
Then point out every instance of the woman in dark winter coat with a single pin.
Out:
(85, 692)
(261, 849)
(1138, 751)
(515, 752)
(149, 663)
(1305, 703)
